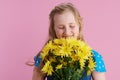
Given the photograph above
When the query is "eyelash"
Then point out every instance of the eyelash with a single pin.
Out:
(63, 27)
(72, 26)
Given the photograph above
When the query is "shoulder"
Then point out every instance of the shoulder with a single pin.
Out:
(96, 55)
(100, 66)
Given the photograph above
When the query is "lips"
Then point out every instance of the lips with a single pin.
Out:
(67, 36)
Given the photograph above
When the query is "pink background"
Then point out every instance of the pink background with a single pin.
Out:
(24, 29)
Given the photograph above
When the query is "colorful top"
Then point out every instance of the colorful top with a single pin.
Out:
(100, 66)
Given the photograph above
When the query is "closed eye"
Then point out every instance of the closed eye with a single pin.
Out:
(60, 27)
(72, 26)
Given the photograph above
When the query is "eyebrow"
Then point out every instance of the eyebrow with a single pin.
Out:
(60, 25)
(63, 24)
(71, 23)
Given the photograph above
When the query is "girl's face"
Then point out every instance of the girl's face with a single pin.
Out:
(65, 25)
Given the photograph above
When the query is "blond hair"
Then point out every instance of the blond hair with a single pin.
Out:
(60, 9)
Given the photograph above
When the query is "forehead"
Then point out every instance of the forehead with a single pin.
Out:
(64, 18)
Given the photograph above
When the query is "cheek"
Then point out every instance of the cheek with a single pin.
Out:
(76, 31)
(58, 32)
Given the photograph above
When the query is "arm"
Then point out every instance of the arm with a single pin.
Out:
(100, 69)
(37, 75)
(98, 75)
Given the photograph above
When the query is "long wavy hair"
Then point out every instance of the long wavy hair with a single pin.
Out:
(60, 9)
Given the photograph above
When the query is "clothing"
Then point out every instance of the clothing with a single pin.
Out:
(100, 66)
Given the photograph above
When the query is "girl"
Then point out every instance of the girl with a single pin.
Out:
(66, 22)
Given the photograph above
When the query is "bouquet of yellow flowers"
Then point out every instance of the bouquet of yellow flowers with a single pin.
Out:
(67, 59)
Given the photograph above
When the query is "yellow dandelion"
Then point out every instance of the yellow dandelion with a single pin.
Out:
(81, 55)
(91, 64)
(73, 42)
(70, 51)
(57, 51)
(65, 51)
(74, 57)
(59, 66)
(47, 68)
(88, 72)
(82, 63)
(52, 59)
(46, 49)
(57, 41)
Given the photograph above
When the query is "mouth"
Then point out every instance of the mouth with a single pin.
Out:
(67, 37)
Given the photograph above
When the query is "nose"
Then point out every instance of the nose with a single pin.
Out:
(67, 32)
